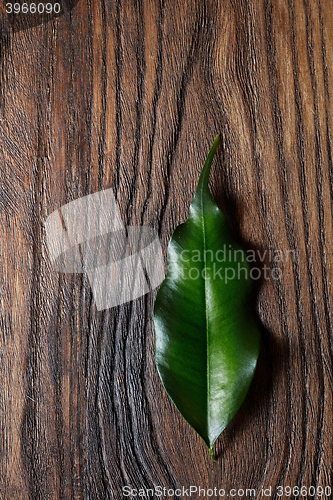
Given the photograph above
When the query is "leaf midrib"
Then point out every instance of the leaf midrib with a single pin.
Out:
(206, 313)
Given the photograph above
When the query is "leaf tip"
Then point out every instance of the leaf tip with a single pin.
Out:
(212, 454)
(214, 146)
(204, 176)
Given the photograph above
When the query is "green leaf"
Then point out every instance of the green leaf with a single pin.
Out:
(207, 338)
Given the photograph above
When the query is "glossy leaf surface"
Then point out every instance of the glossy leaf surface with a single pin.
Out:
(206, 333)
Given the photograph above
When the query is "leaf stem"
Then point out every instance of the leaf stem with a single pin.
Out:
(212, 454)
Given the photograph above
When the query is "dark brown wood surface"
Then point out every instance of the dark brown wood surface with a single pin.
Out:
(130, 94)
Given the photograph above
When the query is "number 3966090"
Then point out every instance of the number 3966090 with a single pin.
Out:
(33, 8)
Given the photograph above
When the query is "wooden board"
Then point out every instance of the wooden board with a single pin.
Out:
(129, 95)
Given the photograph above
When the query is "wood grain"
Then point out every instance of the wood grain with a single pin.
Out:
(129, 95)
